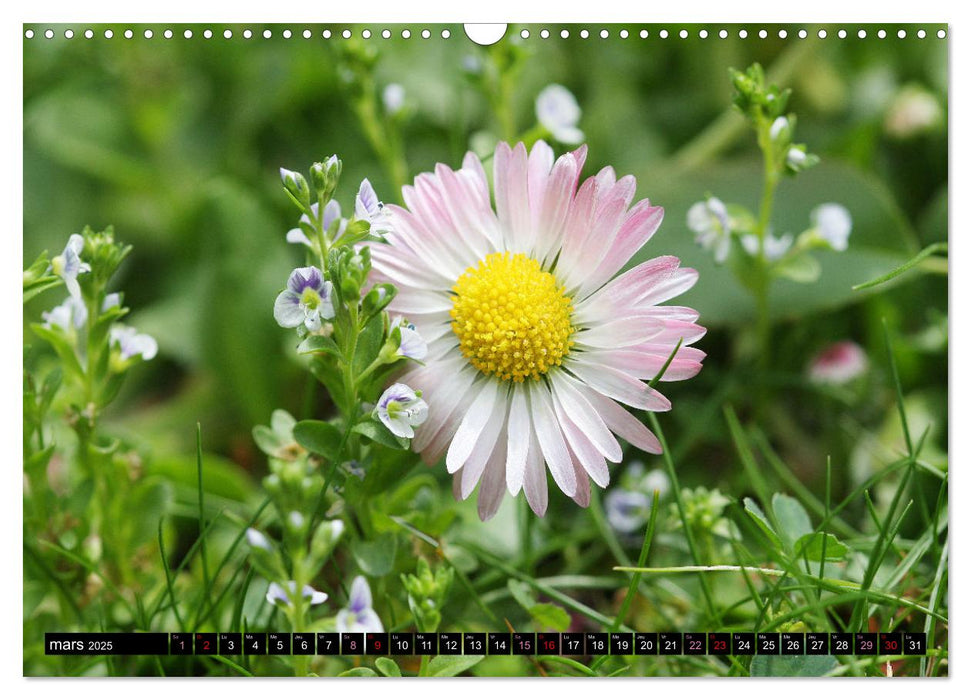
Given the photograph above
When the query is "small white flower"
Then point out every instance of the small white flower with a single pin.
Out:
(71, 313)
(795, 157)
(712, 227)
(838, 363)
(775, 248)
(626, 510)
(778, 126)
(913, 111)
(296, 520)
(358, 615)
(68, 265)
(656, 480)
(257, 539)
(393, 97)
(280, 595)
(131, 343)
(833, 224)
(412, 345)
(306, 300)
(332, 212)
(558, 112)
(400, 408)
(111, 301)
(368, 207)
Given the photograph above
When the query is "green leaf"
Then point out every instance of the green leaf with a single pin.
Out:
(388, 667)
(376, 558)
(521, 593)
(363, 671)
(221, 477)
(792, 666)
(811, 546)
(149, 502)
(318, 436)
(319, 344)
(448, 666)
(369, 343)
(380, 434)
(38, 286)
(752, 508)
(803, 268)
(551, 616)
(792, 518)
(882, 238)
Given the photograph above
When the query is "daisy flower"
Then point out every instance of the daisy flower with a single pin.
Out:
(534, 342)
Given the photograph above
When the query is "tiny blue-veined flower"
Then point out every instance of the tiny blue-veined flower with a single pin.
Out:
(833, 224)
(412, 345)
(775, 248)
(306, 300)
(280, 595)
(558, 112)
(71, 313)
(358, 616)
(393, 98)
(68, 265)
(369, 208)
(332, 212)
(401, 408)
(131, 343)
(628, 505)
(257, 539)
(626, 510)
(712, 227)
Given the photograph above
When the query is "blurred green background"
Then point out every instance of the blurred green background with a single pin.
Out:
(177, 143)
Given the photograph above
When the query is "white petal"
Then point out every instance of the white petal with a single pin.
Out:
(551, 439)
(471, 427)
(287, 311)
(519, 430)
(534, 485)
(484, 446)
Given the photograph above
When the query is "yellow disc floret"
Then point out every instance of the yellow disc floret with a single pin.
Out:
(512, 319)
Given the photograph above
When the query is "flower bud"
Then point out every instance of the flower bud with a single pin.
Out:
(296, 185)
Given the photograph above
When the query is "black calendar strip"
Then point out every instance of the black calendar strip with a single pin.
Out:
(491, 643)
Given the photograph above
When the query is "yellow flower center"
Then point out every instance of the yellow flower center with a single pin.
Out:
(512, 319)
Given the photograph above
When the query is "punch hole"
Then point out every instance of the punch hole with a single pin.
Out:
(487, 34)
(29, 34)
